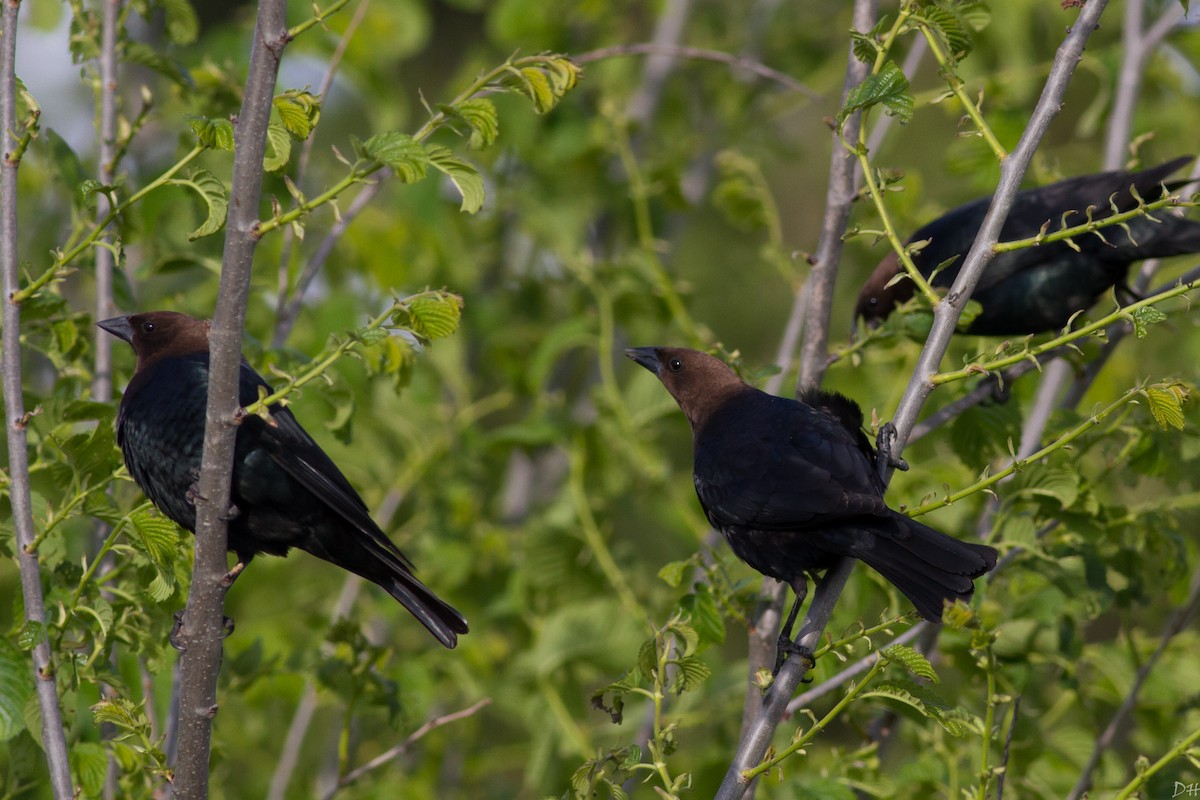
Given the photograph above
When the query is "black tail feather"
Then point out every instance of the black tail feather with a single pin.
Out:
(927, 566)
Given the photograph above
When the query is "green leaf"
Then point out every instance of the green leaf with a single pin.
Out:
(1143, 318)
(946, 24)
(479, 115)
(16, 687)
(89, 765)
(434, 316)
(299, 111)
(462, 173)
(1166, 405)
(119, 712)
(888, 88)
(702, 612)
(68, 166)
(279, 148)
(158, 536)
(672, 573)
(913, 661)
(400, 152)
(544, 83)
(213, 133)
(182, 25)
(692, 672)
(31, 635)
(146, 56)
(1057, 483)
(212, 193)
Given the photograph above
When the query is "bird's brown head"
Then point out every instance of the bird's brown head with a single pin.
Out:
(700, 383)
(158, 334)
(877, 298)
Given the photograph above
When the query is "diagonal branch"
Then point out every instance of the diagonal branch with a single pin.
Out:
(202, 631)
(1179, 620)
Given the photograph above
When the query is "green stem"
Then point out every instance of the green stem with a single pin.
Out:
(956, 85)
(1091, 225)
(854, 691)
(1020, 464)
(317, 18)
(366, 168)
(1172, 754)
(860, 151)
(989, 721)
(109, 541)
(71, 253)
(1123, 313)
(595, 539)
(639, 194)
(320, 367)
(862, 634)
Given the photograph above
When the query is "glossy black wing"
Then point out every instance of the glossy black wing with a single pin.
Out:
(293, 451)
(770, 463)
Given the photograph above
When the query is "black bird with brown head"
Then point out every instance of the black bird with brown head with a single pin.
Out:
(286, 491)
(793, 487)
(1038, 289)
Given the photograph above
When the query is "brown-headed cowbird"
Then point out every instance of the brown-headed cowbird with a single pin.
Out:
(792, 485)
(1038, 288)
(285, 492)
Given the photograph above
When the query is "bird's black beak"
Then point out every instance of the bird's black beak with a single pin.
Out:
(118, 327)
(646, 356)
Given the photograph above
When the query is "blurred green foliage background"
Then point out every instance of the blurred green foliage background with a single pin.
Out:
(539, 480)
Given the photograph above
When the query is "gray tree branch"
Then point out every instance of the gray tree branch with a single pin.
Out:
(1179, 620)
(756, 740)
(811, 312)
(202, 630)
(54, 740)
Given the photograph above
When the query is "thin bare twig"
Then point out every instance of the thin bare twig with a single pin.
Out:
(383, 759)
(1012, 726)
(15, 418)
(288, 305)
(811, 310)
(1179, 620)
(667, 33)
(945, 316)
(102, 385)
(202, 630)
(286, 316)
(289, 755)
(698, 54)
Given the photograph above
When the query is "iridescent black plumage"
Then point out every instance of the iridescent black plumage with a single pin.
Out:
(1037, 289)
(286, 492)
(793, 486)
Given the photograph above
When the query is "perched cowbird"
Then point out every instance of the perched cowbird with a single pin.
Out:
(285, 493)
(1038, 288)
(793, 486)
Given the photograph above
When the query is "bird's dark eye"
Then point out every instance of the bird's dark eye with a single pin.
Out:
(874, 301)
(675, 365)
(148, 327)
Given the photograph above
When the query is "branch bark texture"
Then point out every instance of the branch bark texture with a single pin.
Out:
(15, 419)
(203, 629)
(758, 737)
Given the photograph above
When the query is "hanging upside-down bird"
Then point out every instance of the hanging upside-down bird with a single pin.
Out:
(1037, 289)
(793, 487)
(285, 492)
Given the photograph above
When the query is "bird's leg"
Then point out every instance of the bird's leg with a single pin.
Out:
(1127, 293)
(175, 636)
(785, 645)
(176, 629)
(231, 576)
(883, 446)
